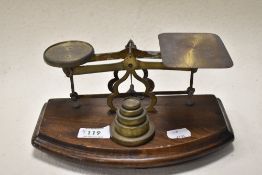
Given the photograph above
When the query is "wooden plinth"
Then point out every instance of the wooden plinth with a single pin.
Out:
(58, 125)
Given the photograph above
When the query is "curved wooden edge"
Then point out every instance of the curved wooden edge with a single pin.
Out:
(229, 127)
(92, 158)
(37, 127)
(85, 156)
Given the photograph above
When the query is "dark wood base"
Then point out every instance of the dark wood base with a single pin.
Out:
(58, 125)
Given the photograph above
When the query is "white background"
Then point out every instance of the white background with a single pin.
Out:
(28, 27)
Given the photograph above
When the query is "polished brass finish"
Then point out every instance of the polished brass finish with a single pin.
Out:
(68, 54)
(131, 120)
(131, 104)
(179, 51)
(115, 92)
(87, 69)
(148, 92)
(193, 50)
(131, 130)
(112, 81)
(131, 112)
(131, 142)
(131, 64)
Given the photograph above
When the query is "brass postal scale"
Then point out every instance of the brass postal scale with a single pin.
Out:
(135, 129)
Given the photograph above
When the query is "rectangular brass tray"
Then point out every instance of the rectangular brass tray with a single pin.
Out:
(193, 50)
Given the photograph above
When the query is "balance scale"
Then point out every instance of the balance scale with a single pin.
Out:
(137, 123)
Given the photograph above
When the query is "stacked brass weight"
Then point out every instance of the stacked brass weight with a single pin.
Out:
(131, 126)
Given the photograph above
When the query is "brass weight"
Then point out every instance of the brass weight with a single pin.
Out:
(131, 126)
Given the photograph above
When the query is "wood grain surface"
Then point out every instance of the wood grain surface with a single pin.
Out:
(58, 125)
